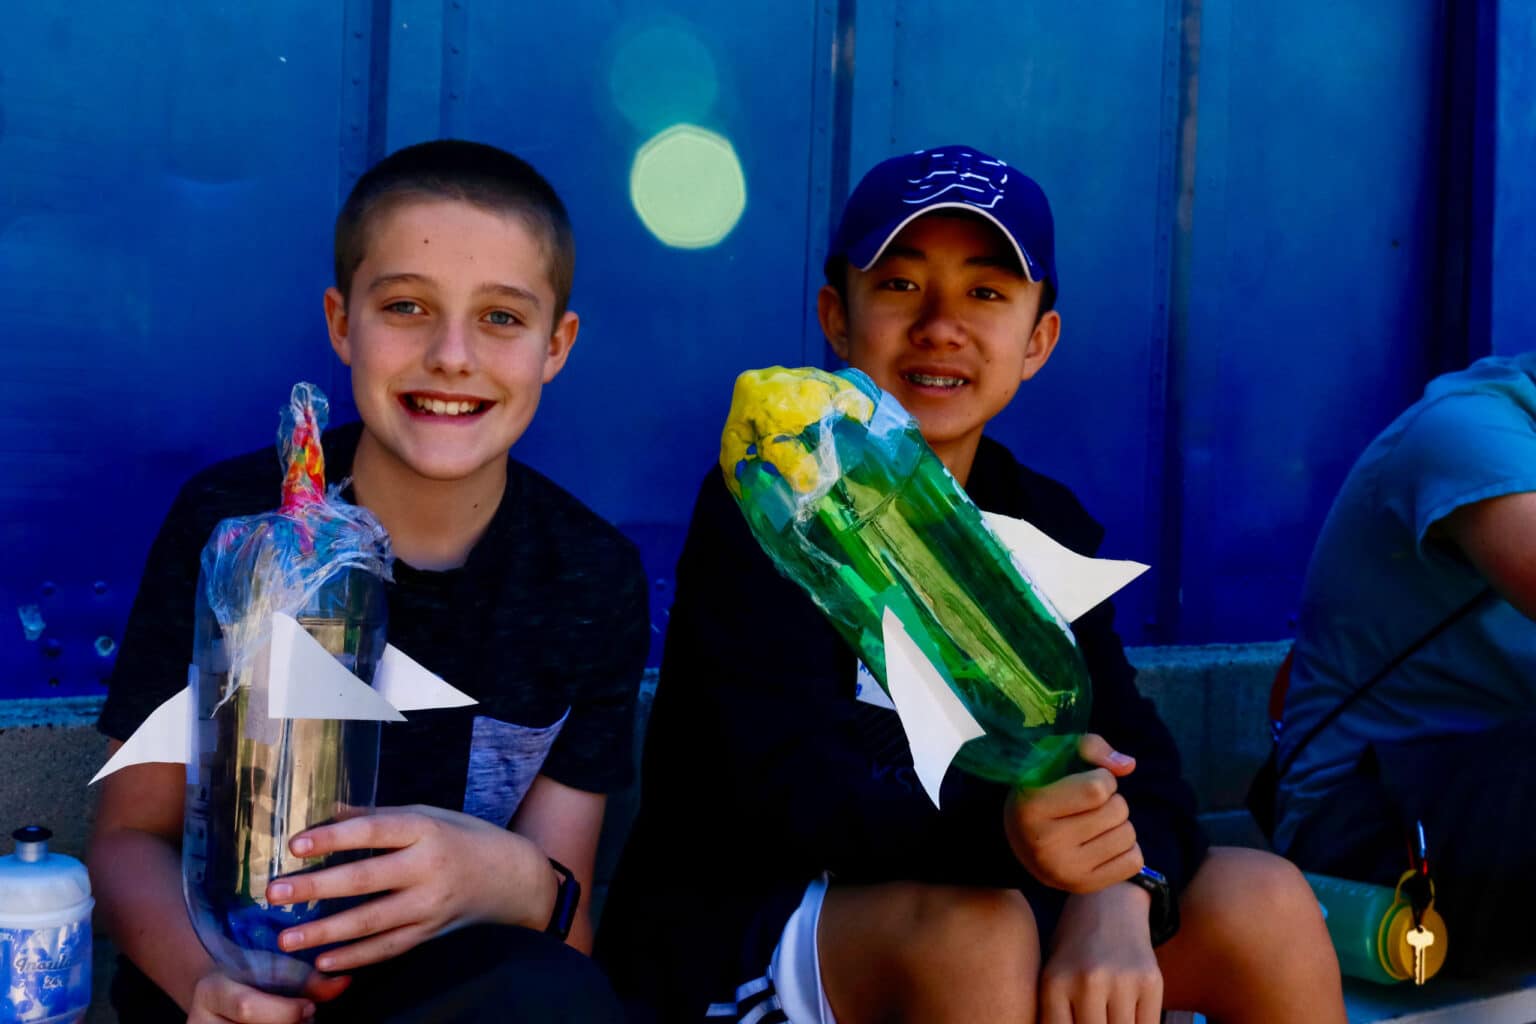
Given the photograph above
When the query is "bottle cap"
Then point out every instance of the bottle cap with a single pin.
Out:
(39, 888)
(31, 843)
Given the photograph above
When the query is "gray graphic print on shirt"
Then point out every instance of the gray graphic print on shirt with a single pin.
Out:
(503, 760)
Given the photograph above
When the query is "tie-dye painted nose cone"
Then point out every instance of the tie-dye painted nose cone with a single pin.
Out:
(845, 496)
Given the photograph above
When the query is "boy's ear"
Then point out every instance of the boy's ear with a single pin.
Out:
(336, 324)
(834, 319)
(561, 340)
(1042, 342)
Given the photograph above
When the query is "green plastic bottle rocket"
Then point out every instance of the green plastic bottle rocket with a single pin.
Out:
(846, 497)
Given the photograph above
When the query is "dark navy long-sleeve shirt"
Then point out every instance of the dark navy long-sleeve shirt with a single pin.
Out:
(762, 771)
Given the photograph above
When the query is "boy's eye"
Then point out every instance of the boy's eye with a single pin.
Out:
(990, 294)
(405, 307)
(502, 318)
(898, 284)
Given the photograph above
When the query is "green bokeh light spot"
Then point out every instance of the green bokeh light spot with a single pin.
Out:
(687, 186)
(663, 75)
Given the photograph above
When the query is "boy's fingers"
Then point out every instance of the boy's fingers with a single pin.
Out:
(1119, 868)
(1123, 999)
(1106, 846)
(238, 1002)
(1076, 794)
(322, 988)
(376, 874)
(375, 916)
(374, 949)
(384, 831)
(1095, 750)
(1055, 1005)
(1089, 825)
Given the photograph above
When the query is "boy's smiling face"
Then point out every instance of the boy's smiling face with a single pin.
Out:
(450, 333)
(946, 323)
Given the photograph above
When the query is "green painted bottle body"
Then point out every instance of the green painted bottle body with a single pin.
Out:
(894, 530)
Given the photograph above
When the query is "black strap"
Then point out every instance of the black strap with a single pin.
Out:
(1386, 670)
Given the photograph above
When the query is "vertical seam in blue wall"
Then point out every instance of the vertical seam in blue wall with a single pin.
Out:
(455, 67)
(1480, 228)
(364, 80)
(357, 29)
(378, 81)
(1170, 323)
(832, 66)
(842, 114)
(1451, 178)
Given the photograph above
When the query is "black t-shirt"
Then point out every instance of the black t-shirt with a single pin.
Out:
(762, 770)
(546, 620)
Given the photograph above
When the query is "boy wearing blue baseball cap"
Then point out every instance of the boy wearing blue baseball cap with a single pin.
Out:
(786, 864)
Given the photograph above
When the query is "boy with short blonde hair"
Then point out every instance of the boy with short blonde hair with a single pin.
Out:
(453, 264)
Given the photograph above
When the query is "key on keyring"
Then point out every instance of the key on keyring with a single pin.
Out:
(1420, 939)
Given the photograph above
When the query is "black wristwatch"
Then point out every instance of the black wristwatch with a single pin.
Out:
(567, 899)
(1163, 915)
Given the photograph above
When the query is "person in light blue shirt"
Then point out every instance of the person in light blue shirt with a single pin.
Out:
(1441, 508)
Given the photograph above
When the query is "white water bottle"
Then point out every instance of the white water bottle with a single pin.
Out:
(45, 933)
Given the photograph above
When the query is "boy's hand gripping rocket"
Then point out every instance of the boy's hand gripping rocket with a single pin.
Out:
(961, 615)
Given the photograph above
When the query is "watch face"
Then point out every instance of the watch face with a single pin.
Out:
(1163, 914)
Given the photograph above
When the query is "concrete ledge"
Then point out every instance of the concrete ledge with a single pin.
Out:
(50, 749)
(1215, 700)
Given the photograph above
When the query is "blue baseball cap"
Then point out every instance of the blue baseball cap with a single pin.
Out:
(897, 191)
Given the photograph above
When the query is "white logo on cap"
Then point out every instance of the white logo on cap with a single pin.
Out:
(979, 181)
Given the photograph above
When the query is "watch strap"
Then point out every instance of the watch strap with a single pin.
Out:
(1163, 914)
(567, 899)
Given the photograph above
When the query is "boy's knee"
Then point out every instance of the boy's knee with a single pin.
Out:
(1250, 895)
(973, 929)
(909, 951)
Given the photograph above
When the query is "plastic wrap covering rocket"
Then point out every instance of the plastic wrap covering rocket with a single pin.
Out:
(255, 779)
(279, 725)
(845, 496)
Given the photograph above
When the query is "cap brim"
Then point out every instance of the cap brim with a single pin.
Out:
(1031, 270)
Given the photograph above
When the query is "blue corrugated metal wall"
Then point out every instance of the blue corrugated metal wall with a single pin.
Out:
(1250, 215)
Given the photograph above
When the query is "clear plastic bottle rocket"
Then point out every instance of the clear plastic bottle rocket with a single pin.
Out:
(846, 497)
(45, 933)
(256, 779)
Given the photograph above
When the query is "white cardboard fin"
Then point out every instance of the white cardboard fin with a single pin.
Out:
(936, 723)
(306, 681)
(165, 737)
(409, 687)
(1073, 583)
